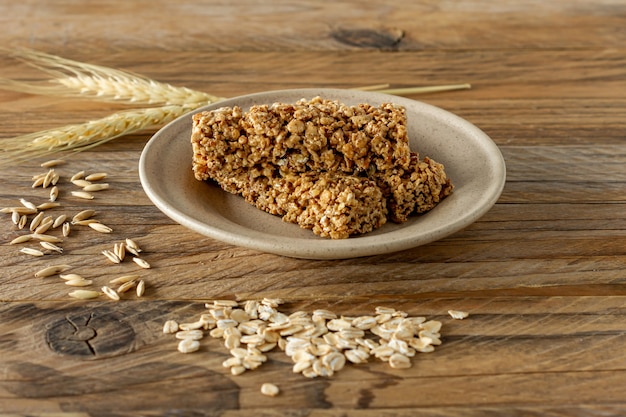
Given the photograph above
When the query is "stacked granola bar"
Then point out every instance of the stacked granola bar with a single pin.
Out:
(338, 170)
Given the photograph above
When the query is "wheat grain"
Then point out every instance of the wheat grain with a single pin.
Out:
(52, 163)
(84, 294)
(81, 182)
(51, 270)
(51, 246)
(123, 279)
(78, 282)
(83, 194)
(119, 249)
(15, 217)
(125, 287)
(99, 227)
(31, 251)
(68, 277)
(38, 182)
(20, 239)
(77, 176)
(141, 262)
(111, 256)
(83, 215)
(54, 193)
(46, 238)
(36, 221)
(66, 229)
(110, 292)
(141, 288)
(97, 176)
(96, 187)
(20, 210)
(47, 180)
(59, 221)
(28, 204)
(22, 223)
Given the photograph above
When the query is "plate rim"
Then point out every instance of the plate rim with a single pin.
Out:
(358, 246)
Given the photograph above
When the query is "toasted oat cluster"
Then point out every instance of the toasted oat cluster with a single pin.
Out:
(335, 169)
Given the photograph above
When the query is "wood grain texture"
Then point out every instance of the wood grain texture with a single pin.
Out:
(542, 274)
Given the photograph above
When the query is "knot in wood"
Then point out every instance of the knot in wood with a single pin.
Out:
(89, 335)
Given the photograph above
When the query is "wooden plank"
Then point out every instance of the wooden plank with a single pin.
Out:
(343, 25)
(563, 346)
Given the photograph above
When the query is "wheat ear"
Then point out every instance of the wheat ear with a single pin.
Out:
(78, 137)
(77, 79)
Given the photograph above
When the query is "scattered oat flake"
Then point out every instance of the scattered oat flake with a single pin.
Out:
(458, 315)
(269, 389)
(188, 346)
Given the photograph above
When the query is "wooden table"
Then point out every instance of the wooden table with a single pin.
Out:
(542, 274)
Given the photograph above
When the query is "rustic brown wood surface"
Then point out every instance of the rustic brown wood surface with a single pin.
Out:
(542, 274)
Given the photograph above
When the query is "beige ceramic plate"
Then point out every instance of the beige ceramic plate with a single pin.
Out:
(472, 161)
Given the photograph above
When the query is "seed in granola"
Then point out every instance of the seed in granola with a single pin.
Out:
(97, 176)
(141, 262)
(83, 215)
(66, 229)
(96, 187)
(51, 246)
(170, 327)
(51, 270)
(99, 227)
(84, 294)
(141, 288)
(111, 256)
(54, 193)
(52, 163)
(458, 315)
(188, 346)
(111, 293)
(31, 251)
(83, 194)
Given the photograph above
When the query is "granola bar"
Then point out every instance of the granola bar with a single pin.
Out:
(335, 169)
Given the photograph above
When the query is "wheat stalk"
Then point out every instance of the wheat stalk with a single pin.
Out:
(77, 79)
(78, 137)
